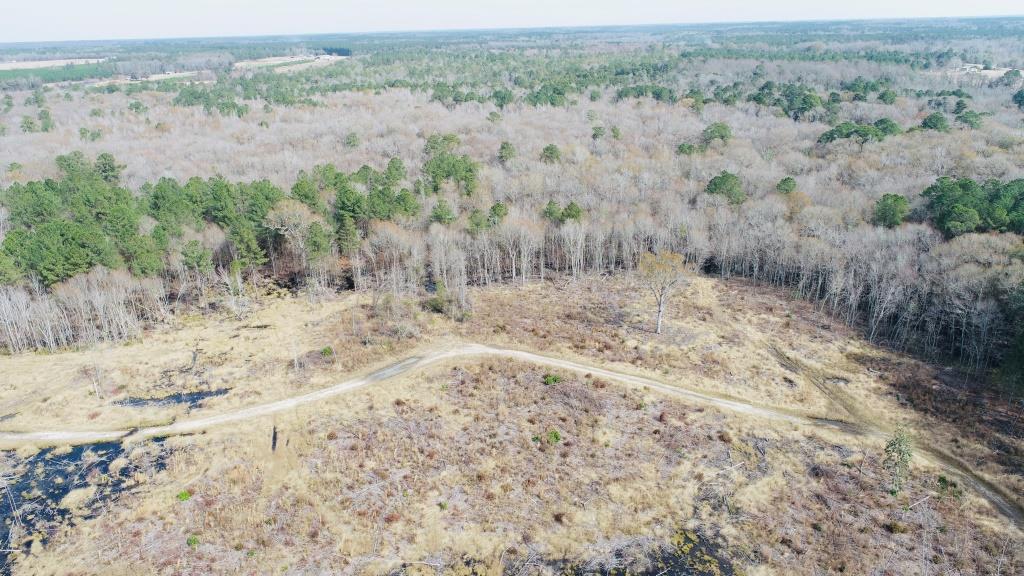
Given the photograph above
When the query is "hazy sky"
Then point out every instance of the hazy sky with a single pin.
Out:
(34, 20)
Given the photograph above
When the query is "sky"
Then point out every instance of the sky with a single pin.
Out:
(50, 20)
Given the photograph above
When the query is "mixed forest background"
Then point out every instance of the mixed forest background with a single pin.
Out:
(875, 168)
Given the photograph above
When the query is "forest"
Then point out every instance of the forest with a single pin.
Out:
(931, 264)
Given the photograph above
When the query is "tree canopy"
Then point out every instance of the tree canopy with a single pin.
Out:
(961, 205)
(729, 185)
(936, 121)
(891, 210)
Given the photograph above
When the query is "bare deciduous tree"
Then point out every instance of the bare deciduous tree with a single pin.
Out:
(662, 273)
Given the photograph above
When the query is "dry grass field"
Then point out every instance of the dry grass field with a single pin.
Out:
(35, 64)
(479, 465)
(284, 64)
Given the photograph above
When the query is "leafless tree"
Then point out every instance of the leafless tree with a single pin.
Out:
(662, 273)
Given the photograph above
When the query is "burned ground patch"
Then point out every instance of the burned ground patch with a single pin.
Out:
(59, 487)
(190, 399)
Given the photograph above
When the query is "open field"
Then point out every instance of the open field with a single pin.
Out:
(33, 64)
(284, 64)
(151, 78)
(317, 62)
(713, 473)
(708, 352)
(463, 492)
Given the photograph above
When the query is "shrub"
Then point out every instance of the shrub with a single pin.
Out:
(553, 212)
(553, 437)
(786, 185)
(506, 152)
(550, 154)
(686, 149)
(572, 211)
(184, 496)
(550, 379)
(716, 131)
(935, 121)
(442, 213)
(29, 125)
(949, 487)
(970, 118)
(895, 527)
(887, 126)
(898, 453)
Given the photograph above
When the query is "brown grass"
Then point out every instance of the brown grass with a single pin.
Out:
(459, 462)
(275, 352)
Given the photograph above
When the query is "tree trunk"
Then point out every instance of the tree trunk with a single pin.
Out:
(661, 312)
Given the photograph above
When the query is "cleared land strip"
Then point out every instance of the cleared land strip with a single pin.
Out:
(992, 493)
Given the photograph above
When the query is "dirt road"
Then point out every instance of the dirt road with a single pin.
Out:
(953, 466)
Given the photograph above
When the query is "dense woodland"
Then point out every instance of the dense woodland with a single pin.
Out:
(889, 190)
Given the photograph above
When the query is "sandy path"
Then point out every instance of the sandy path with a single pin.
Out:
(992, 493)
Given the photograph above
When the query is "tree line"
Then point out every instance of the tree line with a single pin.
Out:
(930, 282)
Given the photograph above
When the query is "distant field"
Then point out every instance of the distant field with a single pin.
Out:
(69, 72)
(288, 63)
(151, 78)
(980, 70)
(35, 64)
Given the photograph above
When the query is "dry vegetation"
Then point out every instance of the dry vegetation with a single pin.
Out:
(458, 463)
(427, 194)
(185, 142)
(280, 349)
(914, 288)
(461, 464)
(720, 340)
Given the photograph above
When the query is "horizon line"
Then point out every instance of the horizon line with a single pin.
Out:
(381, 32)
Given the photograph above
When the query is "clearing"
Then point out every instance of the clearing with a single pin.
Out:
(564, 437)
(33, 64)
(284, 64)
